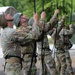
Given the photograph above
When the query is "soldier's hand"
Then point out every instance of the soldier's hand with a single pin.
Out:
(43, 15)
(63, 17)
(36, 17)
(70, 26)
(54, 29)
(56, 11)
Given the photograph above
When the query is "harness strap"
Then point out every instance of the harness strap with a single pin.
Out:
(5, 66)
(10, 56)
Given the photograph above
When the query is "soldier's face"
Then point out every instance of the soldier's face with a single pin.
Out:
(24, 24)
(24, 20)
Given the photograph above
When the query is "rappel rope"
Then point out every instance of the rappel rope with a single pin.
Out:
(34, 50)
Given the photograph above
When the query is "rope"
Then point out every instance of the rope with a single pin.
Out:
(35, 6)
(42, 50)
(42, 5)
(57, 23)
(71, 10)
(63, 6)
(34, 50)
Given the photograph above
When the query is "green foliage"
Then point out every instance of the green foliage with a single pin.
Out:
(27, 7)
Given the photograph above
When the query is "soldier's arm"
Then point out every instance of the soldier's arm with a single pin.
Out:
(23, 38)
(71, 29)
(53, 33)
(60, 24)
(35, 32)
(48, 26)
(70, 32)
(42, 20)
(18, 36)
(53, 21)
(32, 35)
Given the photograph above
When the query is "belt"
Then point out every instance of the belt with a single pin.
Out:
(13, 60)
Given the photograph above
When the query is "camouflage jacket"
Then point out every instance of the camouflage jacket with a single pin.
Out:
(9, 47)
(48, 27)
(10, 39)
(65, 35)
(60, 37)
(55, 35)
(28, 48)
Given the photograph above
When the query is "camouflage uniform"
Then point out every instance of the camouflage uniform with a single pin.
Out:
(60, 53)
(68, 35)
(11, 51)
(27, 52)
(65, 47)
(27, 49)
(61, 59)
(69, 62)
(10, 42)
(48, 60)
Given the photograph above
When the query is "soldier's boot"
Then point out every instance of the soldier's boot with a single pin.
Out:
(71, 73)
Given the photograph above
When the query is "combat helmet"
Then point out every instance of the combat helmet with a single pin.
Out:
(17, 18)
(31, 21)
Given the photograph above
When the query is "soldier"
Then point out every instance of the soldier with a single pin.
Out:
(60, 53)
(65, 36)
(27, 51)
(10, 43)
(48, 60)
(11, 50)
(67, 45)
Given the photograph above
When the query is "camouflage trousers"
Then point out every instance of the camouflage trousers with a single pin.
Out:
(68, 61)
(26, 65)
(61, 62)
(13, 69)
(49, 63)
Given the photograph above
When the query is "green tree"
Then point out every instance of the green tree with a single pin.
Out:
(27, 7)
